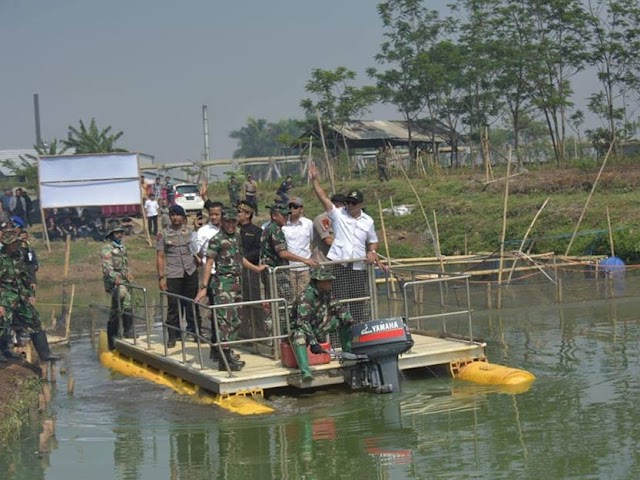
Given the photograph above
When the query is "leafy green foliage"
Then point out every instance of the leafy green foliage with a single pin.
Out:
(91, 139)
(260, 138)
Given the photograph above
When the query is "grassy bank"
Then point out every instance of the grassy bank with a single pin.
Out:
(469, 211)
(19, 391)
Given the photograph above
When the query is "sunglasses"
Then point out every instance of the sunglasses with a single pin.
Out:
(350, 202)
(240, 210)
(293, 205)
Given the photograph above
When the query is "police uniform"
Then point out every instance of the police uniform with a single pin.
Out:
(180, 271)
(115, 273)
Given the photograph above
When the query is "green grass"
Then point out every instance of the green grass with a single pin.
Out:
(468, 211)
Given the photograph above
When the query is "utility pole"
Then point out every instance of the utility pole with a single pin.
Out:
(36, 112)
(205, 126)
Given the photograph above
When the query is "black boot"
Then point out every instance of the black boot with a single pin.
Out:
(5, 349)
(127, 325)
(112, 333)
(234, 365)
(41, 345)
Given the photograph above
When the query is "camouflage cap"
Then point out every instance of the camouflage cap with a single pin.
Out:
(279, 208)
(9, 237)
(229, 214)
(113, 228)
(321, 274)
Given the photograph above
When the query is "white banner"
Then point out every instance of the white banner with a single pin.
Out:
(89, 180)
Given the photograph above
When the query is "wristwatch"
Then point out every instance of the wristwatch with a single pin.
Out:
(203, 286)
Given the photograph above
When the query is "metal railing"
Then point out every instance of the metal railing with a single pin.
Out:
(211, 311)
(442, 280)
(137, 293)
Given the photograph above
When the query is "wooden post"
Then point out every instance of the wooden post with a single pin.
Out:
(45, 233)
(386, 244)
(586, 204)
(504, 219)
(435, 227)
(489, 299)
(613, 253)
(326, 154)
(67, 325)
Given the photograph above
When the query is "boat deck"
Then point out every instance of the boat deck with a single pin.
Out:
(266, 373)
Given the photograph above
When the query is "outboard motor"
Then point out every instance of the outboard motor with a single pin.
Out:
(375, 347)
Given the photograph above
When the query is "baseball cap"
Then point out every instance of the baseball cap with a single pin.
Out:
(355, 195)
(279, 207)
(177, 210)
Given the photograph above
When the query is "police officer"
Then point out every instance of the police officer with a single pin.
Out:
(17, 299)
(225, 250)
(115, 275)
(316, 314)
(177, 270)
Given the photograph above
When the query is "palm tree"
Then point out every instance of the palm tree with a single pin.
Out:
(92, 140)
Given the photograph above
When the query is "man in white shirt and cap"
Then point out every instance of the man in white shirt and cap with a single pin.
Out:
(354, 238)
(298, 230)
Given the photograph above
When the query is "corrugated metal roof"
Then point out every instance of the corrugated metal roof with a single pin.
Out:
(387, 130)
(14, 155)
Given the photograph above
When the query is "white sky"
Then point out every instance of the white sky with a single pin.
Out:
(146, 67)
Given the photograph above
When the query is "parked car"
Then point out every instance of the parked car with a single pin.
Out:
(188, 197)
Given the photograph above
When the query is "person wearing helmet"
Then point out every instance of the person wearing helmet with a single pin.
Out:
(316, 314)
(17, 300)
(116, 275)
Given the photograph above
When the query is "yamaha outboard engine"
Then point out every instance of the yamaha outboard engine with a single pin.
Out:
(375, 347)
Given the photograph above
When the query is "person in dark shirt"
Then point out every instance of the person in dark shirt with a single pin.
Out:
(250, 235)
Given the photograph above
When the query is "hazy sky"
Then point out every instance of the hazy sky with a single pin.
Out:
(147, 67)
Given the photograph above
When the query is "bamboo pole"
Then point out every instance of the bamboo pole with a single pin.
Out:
(504, 218)
(386, 243)
(613, 254)
(586, 204)
(65, 277)
(45, 233)
(435, 227)
(67, 329)
(326, 154)
(526, 235)
(424, 213)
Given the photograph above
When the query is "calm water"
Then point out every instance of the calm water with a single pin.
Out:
(579, 419)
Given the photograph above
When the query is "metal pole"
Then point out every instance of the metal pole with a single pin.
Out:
(205, 126)
(36, 112)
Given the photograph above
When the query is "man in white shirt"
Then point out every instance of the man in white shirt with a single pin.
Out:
(298, 230)
(208, 231)
(151, 211)
(354, 238)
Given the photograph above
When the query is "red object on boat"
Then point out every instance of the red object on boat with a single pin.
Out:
(289, 359)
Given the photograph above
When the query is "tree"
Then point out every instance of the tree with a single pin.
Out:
(337, 101)
(260, 138)
(92, 139)
(613, 30)
(559, 27)
(409, 30)
(27, 168)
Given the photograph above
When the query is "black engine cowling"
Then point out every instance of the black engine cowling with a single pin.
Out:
(375, 347)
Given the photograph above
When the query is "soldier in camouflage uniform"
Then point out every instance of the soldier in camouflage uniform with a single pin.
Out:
(234, 191)
(17, 299)
(315, 315)
(225, 250)
(116, 275)
(274, 252)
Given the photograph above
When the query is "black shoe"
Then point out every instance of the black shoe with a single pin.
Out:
(234, 365)
(11, 355)
(2, 359)
(171, 343)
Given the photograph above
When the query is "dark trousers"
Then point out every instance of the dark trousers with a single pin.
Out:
(152, 223)
(186, 286)
(253, 201)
